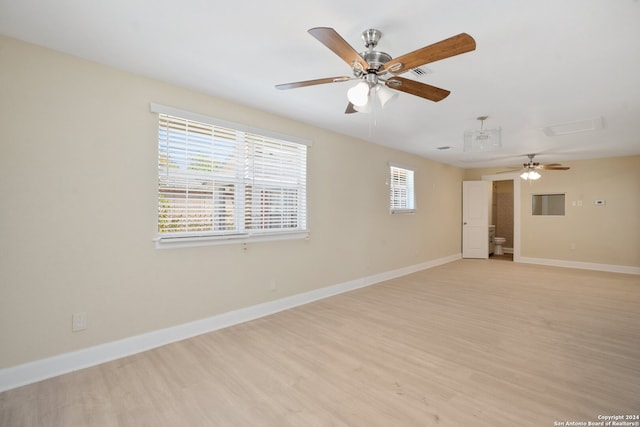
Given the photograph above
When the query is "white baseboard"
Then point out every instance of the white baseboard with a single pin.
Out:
(68, 362)
(581, 265)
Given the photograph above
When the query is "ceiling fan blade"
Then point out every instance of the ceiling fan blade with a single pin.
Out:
(413, 87)
(555, 168)
(331, 39)
(313, 82)
(511, 171)
(443, 49)
(350, 109)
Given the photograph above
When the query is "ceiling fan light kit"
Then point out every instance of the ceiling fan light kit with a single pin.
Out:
(371, 68)
(532, 175)
(365, 98)
(483, 139)
(530, 169)
(359, 94)
(385, 95)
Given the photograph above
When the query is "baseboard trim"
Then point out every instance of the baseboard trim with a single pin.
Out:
(39, 370)
(611, 268)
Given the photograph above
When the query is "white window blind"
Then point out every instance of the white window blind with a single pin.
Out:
(219, 181)
(401, 190)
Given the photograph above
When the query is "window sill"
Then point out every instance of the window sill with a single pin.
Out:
(164, 242)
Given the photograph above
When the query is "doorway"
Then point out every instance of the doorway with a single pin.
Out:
(505, 213)
(501, 217)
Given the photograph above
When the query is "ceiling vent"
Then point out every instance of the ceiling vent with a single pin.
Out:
(577, 126)
(420, 72)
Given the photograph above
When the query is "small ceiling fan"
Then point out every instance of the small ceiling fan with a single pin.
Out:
(531, 168)
(371, 68)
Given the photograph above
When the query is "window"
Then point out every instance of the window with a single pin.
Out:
(401, 190)
(222, 182)
(547, 204)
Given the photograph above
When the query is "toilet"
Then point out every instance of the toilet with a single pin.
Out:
(498, 242)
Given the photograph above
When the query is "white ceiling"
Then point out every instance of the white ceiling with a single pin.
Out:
(537, 63)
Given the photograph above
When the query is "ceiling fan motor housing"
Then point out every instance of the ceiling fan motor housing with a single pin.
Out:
(376, 59)
(531, 164)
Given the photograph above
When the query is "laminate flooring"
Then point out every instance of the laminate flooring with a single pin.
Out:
(469, 343)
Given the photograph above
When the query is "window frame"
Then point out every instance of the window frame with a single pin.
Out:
(241, 232)
(406, 205)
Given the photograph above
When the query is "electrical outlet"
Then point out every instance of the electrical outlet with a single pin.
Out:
(78, 322)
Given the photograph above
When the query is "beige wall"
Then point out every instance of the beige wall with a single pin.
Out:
(78, 183)
(608, 234)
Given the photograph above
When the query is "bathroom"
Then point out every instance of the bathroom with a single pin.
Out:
(502, 217)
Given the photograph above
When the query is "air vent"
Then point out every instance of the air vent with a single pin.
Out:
(578, 126)
(419, 72)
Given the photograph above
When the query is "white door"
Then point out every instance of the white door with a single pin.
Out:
(475, 219)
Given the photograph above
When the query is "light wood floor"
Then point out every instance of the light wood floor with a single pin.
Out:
(470, 343)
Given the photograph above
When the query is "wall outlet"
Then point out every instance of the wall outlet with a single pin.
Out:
(78, 322)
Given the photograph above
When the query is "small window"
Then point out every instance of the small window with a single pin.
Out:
(401, 191)
(222, 182)
(547, 204)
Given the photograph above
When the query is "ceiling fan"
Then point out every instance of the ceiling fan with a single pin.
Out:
(371, 68)
(531, 168)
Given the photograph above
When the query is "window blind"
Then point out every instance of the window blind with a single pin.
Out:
(401, 190)
(214, 180)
